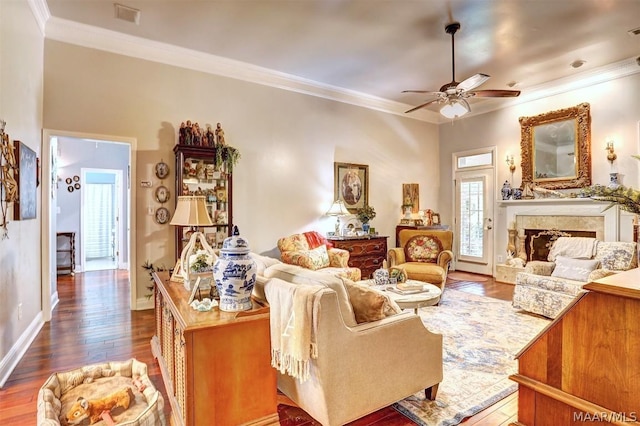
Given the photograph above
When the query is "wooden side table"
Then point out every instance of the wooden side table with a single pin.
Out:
(366, 253)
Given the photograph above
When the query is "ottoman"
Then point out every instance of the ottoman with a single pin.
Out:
(61, 391)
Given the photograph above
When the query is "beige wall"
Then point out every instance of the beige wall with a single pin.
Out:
(21, 64)
(615, 114)
(288, 141)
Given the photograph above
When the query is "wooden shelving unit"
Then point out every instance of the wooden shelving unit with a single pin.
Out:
(66, 252)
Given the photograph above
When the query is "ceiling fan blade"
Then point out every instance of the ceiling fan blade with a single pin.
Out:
(421, 106)
(473, 82)
(421, 91)
(495, 93)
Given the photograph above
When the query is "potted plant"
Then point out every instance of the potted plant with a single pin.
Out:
(365, 214)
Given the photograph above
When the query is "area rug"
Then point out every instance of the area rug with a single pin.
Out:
(481, 336)
(465, 276)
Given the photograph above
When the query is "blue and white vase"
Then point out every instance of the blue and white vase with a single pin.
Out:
(235, 274)
(506, 190)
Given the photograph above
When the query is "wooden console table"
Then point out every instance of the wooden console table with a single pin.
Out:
(366, 253)
(585, 364)
(216, 366)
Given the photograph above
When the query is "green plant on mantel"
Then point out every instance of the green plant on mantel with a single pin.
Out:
(628, 199)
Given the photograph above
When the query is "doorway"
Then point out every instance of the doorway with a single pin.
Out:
(101, 227)
(474, 182)
(60, 163)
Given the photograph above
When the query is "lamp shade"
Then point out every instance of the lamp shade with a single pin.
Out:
(337, 209)
(191, 210)
(455, 108)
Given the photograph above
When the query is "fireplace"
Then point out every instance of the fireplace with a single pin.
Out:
(538, 242)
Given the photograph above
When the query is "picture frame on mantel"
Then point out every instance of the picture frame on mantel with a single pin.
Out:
(26, 176)
(351, 185)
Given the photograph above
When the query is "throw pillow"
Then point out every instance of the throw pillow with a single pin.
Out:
(368, 303)
(314, 259)
(574, 269)
(422, 248)
(616, 255)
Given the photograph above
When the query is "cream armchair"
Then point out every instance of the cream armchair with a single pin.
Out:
(424, 255)
(364, 367)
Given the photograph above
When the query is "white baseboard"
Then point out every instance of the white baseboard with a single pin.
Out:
(143, 303)
(15, 354)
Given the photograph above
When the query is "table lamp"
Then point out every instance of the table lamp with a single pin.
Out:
(338, 210)
(191, 210)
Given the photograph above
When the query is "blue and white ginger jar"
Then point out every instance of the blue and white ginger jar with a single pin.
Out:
(235, 274)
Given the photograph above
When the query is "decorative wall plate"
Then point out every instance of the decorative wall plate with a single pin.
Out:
(76, 185)
(162, 215)
(76, 178)
(68, 181)
(162, 170)
(162, 194)
(70, 188)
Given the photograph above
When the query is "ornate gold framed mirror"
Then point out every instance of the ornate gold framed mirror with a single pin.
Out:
(556, 148)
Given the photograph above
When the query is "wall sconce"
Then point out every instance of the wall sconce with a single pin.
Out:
(611, 154)
(511, 164)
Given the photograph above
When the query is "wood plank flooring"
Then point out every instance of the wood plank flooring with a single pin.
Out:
(93, 323)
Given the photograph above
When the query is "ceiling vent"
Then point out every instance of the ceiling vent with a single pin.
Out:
(127, 13)
(635, 31)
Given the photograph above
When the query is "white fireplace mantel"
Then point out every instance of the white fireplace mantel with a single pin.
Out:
(564, 207)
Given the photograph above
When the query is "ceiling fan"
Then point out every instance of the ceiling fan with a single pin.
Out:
(454, 95)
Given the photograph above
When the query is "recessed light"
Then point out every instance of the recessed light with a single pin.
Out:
(127, 13)
(513, 83)
(578, 63)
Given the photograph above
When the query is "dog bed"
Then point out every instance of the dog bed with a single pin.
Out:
(61, 391)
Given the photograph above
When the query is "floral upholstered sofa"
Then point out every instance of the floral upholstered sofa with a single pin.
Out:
(311, 250)
(546, 288)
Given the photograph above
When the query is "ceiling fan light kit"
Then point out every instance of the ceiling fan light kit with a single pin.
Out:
(455, 108)
(453, 95)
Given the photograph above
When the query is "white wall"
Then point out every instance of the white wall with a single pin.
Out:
(615, 114)
(283, 183)
(21, 64)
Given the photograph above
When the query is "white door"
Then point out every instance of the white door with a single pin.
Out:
(474, 200)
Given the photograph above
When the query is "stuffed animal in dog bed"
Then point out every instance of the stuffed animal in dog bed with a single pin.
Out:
(93, 409)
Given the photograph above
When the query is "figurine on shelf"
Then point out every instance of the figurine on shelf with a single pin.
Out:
(209, 137)
(219, 135)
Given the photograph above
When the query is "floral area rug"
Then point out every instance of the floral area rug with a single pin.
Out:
(481, 337)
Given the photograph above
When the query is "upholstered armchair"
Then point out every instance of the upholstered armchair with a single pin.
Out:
(547, 287)
(311, 250)
(358, 367)
(424, 255)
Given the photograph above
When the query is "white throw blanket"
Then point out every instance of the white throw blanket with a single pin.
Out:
(573, 247)
(294, 312)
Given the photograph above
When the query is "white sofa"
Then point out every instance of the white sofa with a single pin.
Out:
(361, 367)
(546, 288)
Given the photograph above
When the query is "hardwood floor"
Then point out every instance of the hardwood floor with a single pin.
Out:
(93, 323)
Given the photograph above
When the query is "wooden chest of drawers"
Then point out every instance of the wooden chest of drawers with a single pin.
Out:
(366, 253)
(216, 366)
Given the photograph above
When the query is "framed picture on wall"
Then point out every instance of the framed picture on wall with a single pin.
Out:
(26, 176)
(351, 185)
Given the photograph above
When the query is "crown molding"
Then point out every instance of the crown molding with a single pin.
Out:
(111, 41)
(123, 44)
(577, 81)
(41, 12)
